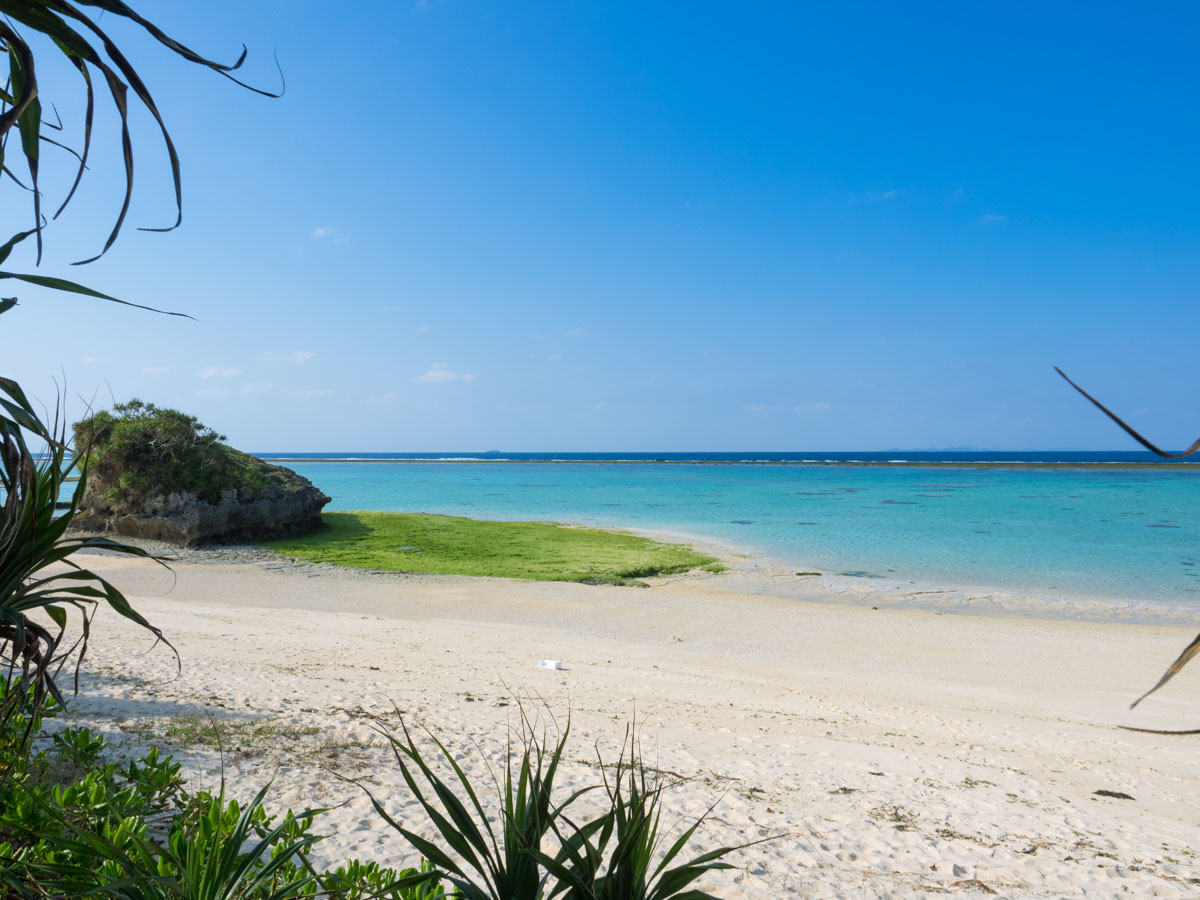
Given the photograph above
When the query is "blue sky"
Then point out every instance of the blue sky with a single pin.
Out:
(618, 226)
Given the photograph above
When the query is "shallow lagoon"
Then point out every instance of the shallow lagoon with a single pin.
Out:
(1131, 534)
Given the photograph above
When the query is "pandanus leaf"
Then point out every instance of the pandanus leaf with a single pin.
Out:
(1190, 651)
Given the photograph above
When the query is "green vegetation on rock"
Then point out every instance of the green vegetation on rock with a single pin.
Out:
(449, 545)
(140, 449)
(159, 474)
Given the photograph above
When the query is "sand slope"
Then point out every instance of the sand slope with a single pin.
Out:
(900, 752)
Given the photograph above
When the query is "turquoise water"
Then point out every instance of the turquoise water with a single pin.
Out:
(1127, 534)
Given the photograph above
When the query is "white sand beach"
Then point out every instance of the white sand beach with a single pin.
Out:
(894, 751)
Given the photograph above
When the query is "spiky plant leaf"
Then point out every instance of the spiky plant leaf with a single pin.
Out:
(1190, 651)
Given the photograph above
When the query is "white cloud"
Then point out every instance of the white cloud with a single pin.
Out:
(253, 388)
(392, 397)
(91, 359)
(440, 373)
(295, 356)
(209, 392)
(554, 357)
(577, 332)
(312, 393)
(425, 329)
(155, 370)
(219, 372)
(324, 232)
(599, 404)
(992, 218)
(818, 407)
(755, 408)
(888, 195)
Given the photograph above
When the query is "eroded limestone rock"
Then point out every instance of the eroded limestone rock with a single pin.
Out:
(274, 502)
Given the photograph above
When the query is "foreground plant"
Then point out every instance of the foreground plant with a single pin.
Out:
(1192, 649)
(74, 824)
(70, 34)
(34, 34)
(214, 851)
(502, 866)
(618, 856)
(38, 571)
(613, 856)
(33, 548)
(67, 786)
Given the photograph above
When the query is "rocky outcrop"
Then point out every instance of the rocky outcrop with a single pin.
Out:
(271, 502)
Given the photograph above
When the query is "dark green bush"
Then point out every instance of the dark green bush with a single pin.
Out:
(66, 786)
(74, 824)
(140, 449)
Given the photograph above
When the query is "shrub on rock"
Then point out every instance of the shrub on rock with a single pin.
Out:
(161, 474)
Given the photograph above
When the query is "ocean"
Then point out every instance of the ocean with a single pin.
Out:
(1115, 533)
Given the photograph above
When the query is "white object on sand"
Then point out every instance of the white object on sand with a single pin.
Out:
(550, 664)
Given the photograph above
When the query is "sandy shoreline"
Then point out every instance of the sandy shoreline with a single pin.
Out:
(760, 574)
(902, 751)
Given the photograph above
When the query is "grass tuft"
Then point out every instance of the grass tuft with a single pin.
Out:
(450, 545)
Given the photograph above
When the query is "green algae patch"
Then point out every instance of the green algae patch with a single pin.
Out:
(450, 545)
